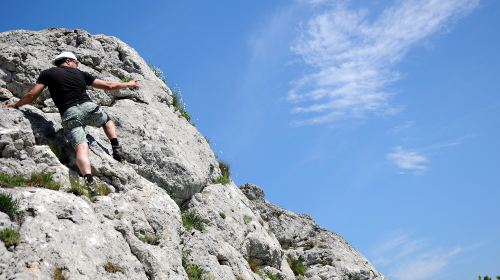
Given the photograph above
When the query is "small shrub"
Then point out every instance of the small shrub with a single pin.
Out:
(58, 274)
(239, 278)
(223, 180)
(102, 189)
(324, 262)
(222, 215)
(10, 237)
(247, 219)
(9, 205)
(194, 271)
(308, 245)
(151, 239)
(270, 232)
(10, 181)
(77, 188)
(273, 276)
(296, 265)
(192, 220)
(224, 169)
(43, 180)
(126, 79)
(112, 268)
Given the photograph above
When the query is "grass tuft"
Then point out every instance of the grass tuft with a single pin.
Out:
(192, 220)
(126, 79)
(58, 274)
(77, 188)
(9, 205)
(296, 265)
(112, 268)
(247, 219)
(10, 237)
(43, 180)
(102, 189)
(273, 276)
(222, 215)
(11, 181)
(225, 171)
(151, 239)
(194, 271)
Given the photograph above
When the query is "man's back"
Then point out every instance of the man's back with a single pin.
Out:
(67, 86)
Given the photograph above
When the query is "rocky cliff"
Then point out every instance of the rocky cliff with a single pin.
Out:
(161, 216)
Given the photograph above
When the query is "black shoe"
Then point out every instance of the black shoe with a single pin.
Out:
(91, 187)
(118, 153)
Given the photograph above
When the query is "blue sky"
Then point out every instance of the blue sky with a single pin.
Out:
(378, 119)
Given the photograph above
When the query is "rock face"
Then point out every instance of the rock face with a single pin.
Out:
(165, 218)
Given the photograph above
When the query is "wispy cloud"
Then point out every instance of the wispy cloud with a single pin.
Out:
(408, 160)
(354, 58)
(406, 257)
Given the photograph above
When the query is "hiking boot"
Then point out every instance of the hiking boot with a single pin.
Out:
(91, 187)
(118, 153)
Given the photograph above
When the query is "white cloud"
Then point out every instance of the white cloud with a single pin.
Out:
(353, 58)
(408, 160)
(408, 258)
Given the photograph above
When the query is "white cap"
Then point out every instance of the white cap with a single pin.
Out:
(64, 55)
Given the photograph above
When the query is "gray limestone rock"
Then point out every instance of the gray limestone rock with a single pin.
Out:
(138, 227)
(327, 255)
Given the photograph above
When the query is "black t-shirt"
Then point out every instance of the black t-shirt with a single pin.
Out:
(67, 86)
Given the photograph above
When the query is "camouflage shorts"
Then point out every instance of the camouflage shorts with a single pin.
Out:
(77, 117)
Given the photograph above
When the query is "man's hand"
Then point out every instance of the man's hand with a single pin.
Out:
(134, 84)
(110, 85)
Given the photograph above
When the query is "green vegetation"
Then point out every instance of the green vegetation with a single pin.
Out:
(151, 239)
(487, 277)
(39, 180)
(222, 215)
(247, 219)
(296, 265)
(126, 79)
(225, 171)
(192, 220)
(273, 276)
(10, 181)
(10, 237)
(77, 188)
(239, 278)
(112, 268)
(43, 180)
(58, 274)
(9, 205)
(177, 101)
(308, 245)
(194, 271)
(270, 232)
(102, 189)
(324, 262)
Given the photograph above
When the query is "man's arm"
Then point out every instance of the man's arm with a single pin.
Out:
(110, 85)
(28, 98)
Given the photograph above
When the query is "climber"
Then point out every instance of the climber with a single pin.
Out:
(67, 86)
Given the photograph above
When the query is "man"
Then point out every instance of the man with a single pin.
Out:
(67, 86)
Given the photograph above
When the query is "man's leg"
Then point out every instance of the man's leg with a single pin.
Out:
(83, 161)
(110, 130)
